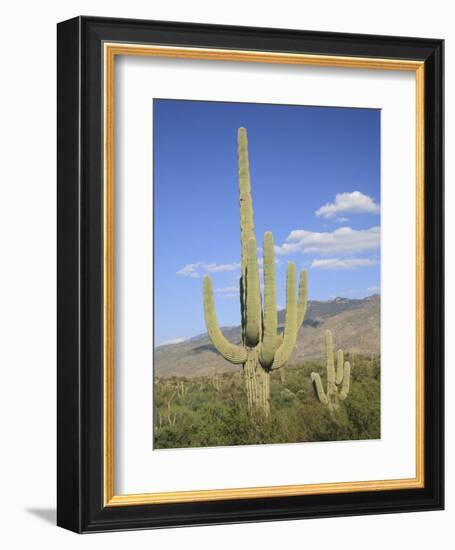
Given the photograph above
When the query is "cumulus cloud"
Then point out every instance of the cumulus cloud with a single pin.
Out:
(202, 268)
(228, 291)
(219, 268)
(189, 270)
(342, 263)
(199, 269)
(348, 203)
(375, 288)
(342, 240)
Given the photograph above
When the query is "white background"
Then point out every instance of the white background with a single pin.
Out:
(27, 300)
(140, 469)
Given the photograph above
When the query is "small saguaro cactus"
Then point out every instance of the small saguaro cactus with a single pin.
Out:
(181, 388)
(263, 349)
(215, 380)
(338, 380)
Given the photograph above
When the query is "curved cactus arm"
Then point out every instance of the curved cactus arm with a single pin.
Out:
(340, 365)
(303, 298)
(270, 341)
(231, 352)
(346, 380)
(331, 386)
(253, 321)
(316, 379)
(290, 328)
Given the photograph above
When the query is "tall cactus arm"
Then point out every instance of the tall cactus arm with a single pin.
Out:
(303, 298)
(316, 379)
(253, 312)
(269, 339)
(246, 215)
(340, 366)
(331, 386)
(346, 380)
(246, 204)
(290, 328)
(231, 352)
(242, 284)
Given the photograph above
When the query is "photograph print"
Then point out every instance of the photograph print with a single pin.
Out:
(267, 274)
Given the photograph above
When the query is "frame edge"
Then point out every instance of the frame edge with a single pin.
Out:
(80, 508)
(69, 510)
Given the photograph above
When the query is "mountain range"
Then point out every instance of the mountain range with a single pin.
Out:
(355, 325)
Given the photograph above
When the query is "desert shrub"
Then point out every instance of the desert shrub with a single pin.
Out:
(205, 415)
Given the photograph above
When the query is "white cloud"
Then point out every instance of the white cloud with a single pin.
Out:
(375, 288)
(338, 263)
(189, 270)
(171, 342)
(198, 269)
(228, 291)
(202, 268)
(348, 203)
(342, 240)
(218, 268)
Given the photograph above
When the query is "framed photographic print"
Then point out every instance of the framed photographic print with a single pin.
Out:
(250, 274)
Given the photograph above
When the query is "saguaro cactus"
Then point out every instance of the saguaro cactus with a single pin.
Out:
(263, 349)
(338, 379)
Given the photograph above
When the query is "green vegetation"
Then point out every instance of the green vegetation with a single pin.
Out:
(263, 349)
(213, 410)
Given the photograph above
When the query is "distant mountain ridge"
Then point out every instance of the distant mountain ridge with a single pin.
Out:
(355, 324)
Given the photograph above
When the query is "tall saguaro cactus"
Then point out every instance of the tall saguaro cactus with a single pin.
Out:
(338, 379)
(263, 349)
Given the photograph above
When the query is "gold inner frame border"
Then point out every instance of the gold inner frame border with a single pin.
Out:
(110, 51)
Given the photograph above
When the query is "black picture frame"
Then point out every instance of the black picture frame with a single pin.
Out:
(80, 476)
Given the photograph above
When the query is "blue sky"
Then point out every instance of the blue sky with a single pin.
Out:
(315, 179)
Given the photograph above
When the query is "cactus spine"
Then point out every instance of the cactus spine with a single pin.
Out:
(263, 349)
(338, 381)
